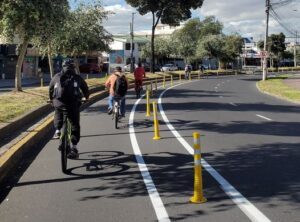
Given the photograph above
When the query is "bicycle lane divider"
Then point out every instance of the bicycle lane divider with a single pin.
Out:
(246, 206)
(157, 203)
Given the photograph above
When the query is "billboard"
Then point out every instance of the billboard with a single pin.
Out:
(116, 58)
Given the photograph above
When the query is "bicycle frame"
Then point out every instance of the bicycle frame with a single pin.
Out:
(116, 111)
(65, 140)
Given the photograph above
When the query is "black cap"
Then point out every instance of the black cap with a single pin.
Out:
(118, 69)
(68, 63)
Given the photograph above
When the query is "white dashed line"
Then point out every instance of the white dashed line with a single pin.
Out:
(233, 104)
(246, 206)
(157, 203)
(263, 117)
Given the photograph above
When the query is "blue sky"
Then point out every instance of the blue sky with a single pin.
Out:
(246, 17)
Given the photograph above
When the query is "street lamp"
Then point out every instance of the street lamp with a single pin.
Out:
(131, 48)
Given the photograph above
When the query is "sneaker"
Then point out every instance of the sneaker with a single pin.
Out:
(109, 111)
(56, 134)
(73, 154)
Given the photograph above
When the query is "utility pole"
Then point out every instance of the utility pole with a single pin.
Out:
(131, 45)
(265, 61)
(295, 51)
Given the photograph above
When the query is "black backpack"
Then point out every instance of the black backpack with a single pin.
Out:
(121, 86)
(66, 89)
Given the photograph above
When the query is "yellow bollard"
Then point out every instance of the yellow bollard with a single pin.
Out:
(42, 82)
(180, 77)
(164, 82)
(156, 124)
(171, 80)
(151, 88)
(190, 76)
(147, 104)
(198, 187)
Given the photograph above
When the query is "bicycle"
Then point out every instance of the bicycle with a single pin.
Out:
(138, 88)
(65, 140)
(116, 111)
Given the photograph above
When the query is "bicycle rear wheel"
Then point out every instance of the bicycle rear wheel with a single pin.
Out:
(64, 149)
(117, 113)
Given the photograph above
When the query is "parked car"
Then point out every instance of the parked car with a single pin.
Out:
(205, 67)
(168, 67)
(147, 67)
(89, 68)
(126, 68)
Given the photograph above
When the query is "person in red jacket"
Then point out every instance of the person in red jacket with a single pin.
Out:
(139, 74)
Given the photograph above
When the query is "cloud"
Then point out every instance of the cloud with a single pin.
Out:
(246, 17)
(119, 21)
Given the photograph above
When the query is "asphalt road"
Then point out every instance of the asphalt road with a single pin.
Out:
(252, 140)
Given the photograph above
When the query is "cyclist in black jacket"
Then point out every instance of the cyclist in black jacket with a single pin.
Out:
(65, 93)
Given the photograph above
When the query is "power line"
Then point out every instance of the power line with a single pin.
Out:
(279, 20)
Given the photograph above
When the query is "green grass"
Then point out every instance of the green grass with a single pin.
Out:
(277, 87)
(14, 104)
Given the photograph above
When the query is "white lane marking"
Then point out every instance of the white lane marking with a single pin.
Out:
(263, 117)
(233, 104)
(157, 203)
(246, 206)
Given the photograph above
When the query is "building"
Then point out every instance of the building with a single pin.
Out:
(120, 54)
(251, 55)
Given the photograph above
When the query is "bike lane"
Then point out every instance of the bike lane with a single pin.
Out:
(104, 184)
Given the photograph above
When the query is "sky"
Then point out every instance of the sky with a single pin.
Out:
(246, 17)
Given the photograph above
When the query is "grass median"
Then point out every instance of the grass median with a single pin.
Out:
(15, 104)
(277, 87)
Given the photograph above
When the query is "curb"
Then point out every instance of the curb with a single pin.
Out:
(23, 120)
(276, 96)
(9, 160)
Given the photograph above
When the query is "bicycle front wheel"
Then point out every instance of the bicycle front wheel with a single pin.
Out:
(64, 149)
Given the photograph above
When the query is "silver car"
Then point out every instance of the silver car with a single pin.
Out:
(168, 67)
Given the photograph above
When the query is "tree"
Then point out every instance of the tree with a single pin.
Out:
(232, 48)
(186, 39)
(210, 26)
(83, 32)
(24, 20)
(164, 45)
(211, 47)
(168, 12)
(53, 27)
(276, 46)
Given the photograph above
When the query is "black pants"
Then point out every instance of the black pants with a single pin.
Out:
(74, 117)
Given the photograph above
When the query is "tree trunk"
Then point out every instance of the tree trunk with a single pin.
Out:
(152, 51)
(18, 83)
(154, 24)
(50, 61)
(76, 64)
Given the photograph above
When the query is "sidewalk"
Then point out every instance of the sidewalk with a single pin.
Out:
(10, 83)
(35, 81)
